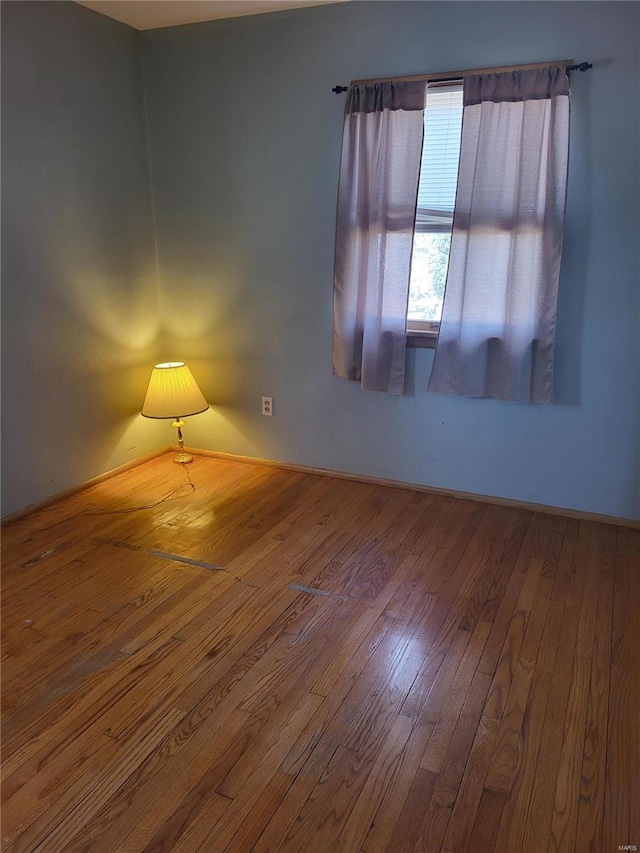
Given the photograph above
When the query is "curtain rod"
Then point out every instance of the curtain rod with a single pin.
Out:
(456, 75)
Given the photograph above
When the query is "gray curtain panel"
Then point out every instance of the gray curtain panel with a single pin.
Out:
(379, 173)
(498, 320)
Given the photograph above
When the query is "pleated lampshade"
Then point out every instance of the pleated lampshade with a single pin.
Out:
(173, 392)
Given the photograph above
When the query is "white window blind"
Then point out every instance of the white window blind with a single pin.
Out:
(440, 156)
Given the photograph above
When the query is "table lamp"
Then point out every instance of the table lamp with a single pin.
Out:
(174, 393)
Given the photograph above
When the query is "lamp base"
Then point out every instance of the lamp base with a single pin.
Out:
(182, 457)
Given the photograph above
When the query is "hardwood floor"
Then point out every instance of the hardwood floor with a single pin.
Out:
(287, 662)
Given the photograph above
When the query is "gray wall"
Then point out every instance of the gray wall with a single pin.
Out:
(245, 144)
(79, 291)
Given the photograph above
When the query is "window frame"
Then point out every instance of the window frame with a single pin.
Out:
(422, 334)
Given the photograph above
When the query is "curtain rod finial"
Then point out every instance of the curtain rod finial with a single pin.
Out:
(339, 89)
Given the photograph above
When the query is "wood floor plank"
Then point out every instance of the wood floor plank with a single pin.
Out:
(147, 798)
(247, 797)
(106, 640)
(195, 834)
(368, 670)
(407, 831)
(267, 615)
(487, 823)
(437, 748)
(254, 825)
(532, 780)
(304, 781)
(591, 805)
(361, 629)
(69, 814)
(457, 755)
(565, 811)
(621, 819)
(89, 720)
(463, 815)
(529, 804)
(505, 759)
(513, 639)
(485, 600)
(381, 835)
(331, 802)
(357, 824)
(92, 693)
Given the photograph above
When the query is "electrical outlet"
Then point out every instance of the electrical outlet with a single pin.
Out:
(267, 406)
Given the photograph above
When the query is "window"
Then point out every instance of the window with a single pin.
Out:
(499, 252)
(434, 216)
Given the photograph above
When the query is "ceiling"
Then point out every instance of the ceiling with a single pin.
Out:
(150, 14)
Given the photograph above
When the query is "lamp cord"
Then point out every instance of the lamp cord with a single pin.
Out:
(189, 485)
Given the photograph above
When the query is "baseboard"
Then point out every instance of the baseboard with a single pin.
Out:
(81, 487)
(324, 472)
(400, 484)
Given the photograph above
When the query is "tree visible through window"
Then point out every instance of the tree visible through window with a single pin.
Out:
(436, 201)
